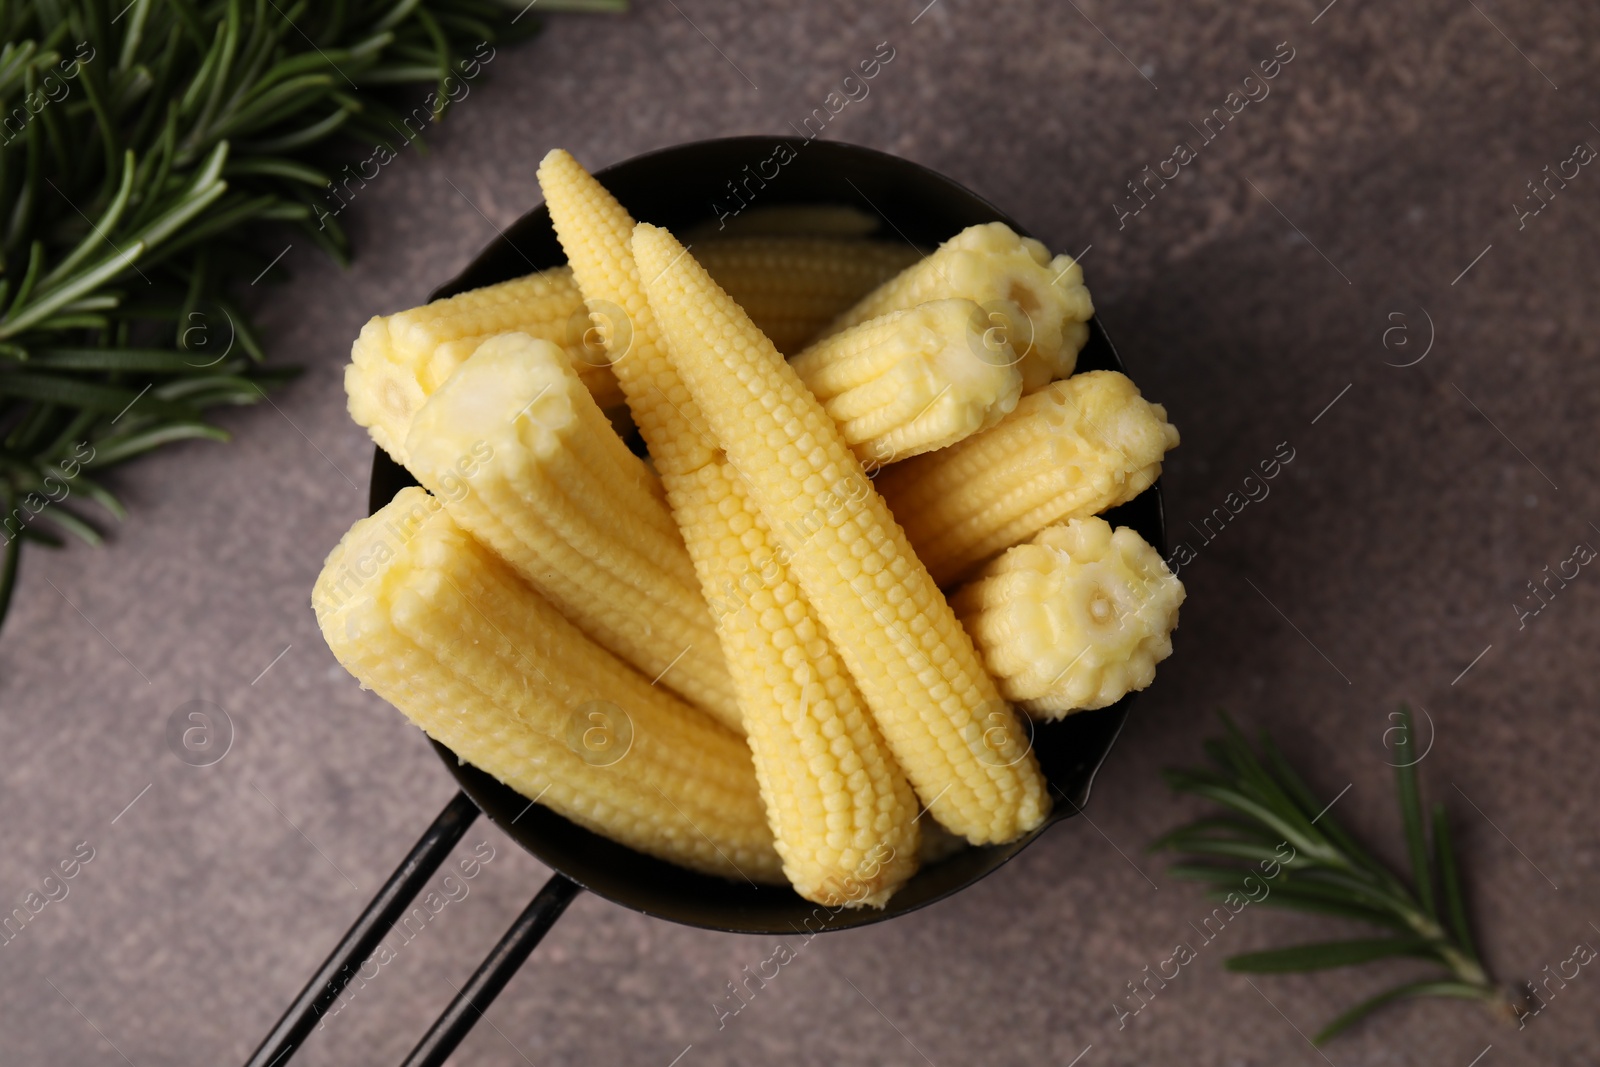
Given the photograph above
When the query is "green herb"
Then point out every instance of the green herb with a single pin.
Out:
(146, 148)
(1425, 916)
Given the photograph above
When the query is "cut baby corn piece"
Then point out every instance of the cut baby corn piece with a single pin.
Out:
(1073, 620)
(438, 626)
(792, 287)
(813, 743)
(399, 360)
(842, 814)
(959, 743)
(1039, 303)
(1071, 450)
(912, 381)
(528, 464)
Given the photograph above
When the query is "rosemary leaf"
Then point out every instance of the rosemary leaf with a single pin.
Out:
(1321, 955)
(164, 148)
(1330, 873)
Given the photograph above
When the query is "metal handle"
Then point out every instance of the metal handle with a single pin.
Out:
(366, 932)
(494, 972)
(380, 915)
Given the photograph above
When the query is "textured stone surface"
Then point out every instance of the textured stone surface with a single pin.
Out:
(1252, 291)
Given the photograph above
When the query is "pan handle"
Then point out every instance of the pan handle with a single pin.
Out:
(494, 972)
(366, 932)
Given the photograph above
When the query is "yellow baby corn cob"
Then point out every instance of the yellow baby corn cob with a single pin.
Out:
(436, 625)
(1073, 620)
(792, 287)
(1071, 450)
(791, 220)
(960, 745)
(400, 359)
(1039, 303)
(912, 381)
(528, 464)
(843, 816)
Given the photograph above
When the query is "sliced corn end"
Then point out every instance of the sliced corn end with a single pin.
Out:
(398, 360)
(1071, 450)
(595, 231)
(526, 462)
(792, 287)
(960, 745)
(913, 381)
(1039, 303)
(842, 814)
(1075, 619)
(439, 627)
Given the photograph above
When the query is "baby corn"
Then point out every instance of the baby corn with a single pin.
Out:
(791, 287)
(1038, 303)
(1073, 620)
(528, 464)
(912, 381)
(842, 813)
(961, 746)
(400, 359)
(436, 625)
(791, 220)
(840, 810)
(1071, 450)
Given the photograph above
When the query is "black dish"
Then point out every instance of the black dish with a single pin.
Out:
(679, 188)
(687, 186)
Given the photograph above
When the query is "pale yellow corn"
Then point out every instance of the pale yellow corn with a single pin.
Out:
(791, 220)
(442, 629)
(959, 743)
(1073, 620)
(399, 360)
(1071, 450)
(1038, 303)
(841, 811)
(792, 287)
(912, 381)
(528, 464)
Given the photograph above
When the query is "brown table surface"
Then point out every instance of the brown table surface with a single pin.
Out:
(1376, 187)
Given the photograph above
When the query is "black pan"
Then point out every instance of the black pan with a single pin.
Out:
(682, 187)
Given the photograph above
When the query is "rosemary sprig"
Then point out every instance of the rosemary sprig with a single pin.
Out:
(1425, 916)
(146, 147)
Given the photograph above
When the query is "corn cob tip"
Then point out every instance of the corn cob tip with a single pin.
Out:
(1074, 619)
(1039, 303)
(518, 383)
(557, 157)
(558, 165)
(379, 394)
(358, 564)
(398, 360)
(914, 380)
(1115, 415)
